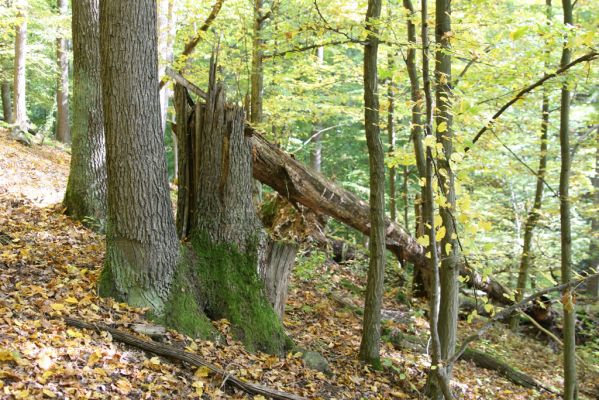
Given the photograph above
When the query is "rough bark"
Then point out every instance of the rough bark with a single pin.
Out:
(141, 242)
(570, 384)
(185, 197)
(20, 107)
(533, 215)
(85, 197)
(63, 132)
(6, 102)
(371, 333)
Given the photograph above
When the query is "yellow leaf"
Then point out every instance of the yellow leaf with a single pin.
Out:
(49, 393)
(6, 355)
(438, 221)
(429, 141)
(71, 300)
(423, 240)
(155, 360)
(489, 308)
(442, 127)
(57, 306)
(199, 387)
(259, 397)
(202, 372)
(448, 248)
(74, 333)
(440, 233)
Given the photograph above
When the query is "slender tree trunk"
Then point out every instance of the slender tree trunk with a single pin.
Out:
(391, 138)
(533, 215)
(63, 132)
(20, 108)
(593, 285)
(370, 345)
(141, 242)
(85, 198)
(6, 102)
(418, 285)
(570, 384)
(257, 73)
(316, 151)
(166, 37)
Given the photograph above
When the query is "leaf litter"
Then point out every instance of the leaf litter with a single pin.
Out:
(49, 266)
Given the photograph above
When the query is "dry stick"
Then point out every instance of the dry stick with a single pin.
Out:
(168, 351)
(189, 46)
(305, 48)
(509, 310)
(587, 57)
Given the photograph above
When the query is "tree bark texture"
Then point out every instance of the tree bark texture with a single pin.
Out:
(63, 132)
(570, 384)
(237, 271)
(371, 333)
(85, 196)
(20, 108)
(141, 242)
(6, 102)
(166, 38)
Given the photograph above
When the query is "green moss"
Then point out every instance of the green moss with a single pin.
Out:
(106, 284)
(232, 290)
(183, 310)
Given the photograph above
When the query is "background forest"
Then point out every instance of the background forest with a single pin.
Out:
(514, 72)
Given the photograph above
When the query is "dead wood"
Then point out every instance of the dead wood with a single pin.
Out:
(171, 352)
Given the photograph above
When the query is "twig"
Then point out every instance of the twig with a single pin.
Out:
(338, 31)
(168, 351)
(306, 48)
(587, 57)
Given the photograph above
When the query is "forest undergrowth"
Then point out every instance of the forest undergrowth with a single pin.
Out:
(49, 266)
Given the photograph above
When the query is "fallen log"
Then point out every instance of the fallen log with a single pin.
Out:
(171, 352)
(299, 184)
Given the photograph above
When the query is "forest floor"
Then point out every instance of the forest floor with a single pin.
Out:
(49, 265)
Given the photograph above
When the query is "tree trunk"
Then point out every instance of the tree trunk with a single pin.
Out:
(533, 215)
(448, 313)
(141, 242)
(63, 132)
(593, 284)
(20, 108)
(166, 37)
(419, 286)
(276, 273)
(570, 384)
(391, 139)
(85, 197)
(371, 334)
(226, 233)
(6, 102)
(257, 73)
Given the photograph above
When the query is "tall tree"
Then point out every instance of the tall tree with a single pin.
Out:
(141, 242)
(257, 73)
(316, 150)
(593, 285)
(85, 198)
(20, 108)
(533, 215)
(6, 102)
(570, 385)
(370, 345)
(63, 133)
(166, 37)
